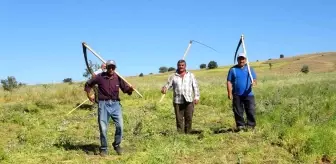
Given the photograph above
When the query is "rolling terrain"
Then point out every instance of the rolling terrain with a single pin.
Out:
(296, 120)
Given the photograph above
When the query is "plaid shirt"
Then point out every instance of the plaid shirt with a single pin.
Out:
(183, 87)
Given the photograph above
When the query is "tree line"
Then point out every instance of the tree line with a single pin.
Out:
(211, 65)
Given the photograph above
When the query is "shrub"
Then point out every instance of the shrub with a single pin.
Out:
(282, 56)
(163, 69)
(93, 67)
(305, 69)
(212, 65)
(10, 83)
(141, 75)
(67, 80)
(171, 69)
(202, 66)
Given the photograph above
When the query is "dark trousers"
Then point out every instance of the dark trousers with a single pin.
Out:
(241, 104)
(184, 113)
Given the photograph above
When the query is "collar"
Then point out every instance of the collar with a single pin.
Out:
(177, 74)
(245, 66)
(105, 75)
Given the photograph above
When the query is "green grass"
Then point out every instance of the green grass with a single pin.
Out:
(296, 117)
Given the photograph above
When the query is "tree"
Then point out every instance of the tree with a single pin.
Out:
(141, 75)
(202, 66)
(67, 80)
(10, 83)
(163, 69)
(212, 65)
(21, 84)
(93, 67)
(171, 69)
(282, 56)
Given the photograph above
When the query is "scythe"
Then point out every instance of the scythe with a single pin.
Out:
(241, 41)
(85, 46)
(185, 54)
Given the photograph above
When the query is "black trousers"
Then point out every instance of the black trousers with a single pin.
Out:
(243, 104)
(184, 113)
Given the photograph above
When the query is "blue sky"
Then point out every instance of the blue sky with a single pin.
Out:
(41, 40)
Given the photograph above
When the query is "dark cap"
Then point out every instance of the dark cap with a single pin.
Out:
(111, 62)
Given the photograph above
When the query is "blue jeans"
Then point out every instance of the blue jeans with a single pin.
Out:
(107, 109)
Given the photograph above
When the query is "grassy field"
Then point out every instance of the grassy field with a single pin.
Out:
(296, 120)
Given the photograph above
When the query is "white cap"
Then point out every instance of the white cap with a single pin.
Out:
(241, 54)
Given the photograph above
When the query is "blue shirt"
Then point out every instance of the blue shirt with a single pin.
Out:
(241, 81)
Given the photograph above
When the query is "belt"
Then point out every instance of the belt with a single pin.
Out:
(108, 100)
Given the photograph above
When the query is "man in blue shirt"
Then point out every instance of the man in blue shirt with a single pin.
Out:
(239, 89)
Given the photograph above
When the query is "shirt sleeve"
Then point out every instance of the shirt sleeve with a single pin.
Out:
(90, 83)
(125, 88)
(98, 71)
(195, 87)
(169, 83)
(230, 74)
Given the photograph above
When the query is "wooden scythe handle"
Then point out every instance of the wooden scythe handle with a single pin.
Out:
(185, 54)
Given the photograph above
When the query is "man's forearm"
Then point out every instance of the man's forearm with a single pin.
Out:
(125, 88)
(166, 86)
(197, 93)
(89, 84)
(88, 93)
(87, 88)
(229, 87)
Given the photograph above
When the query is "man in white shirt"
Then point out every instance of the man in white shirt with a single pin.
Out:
(184, 84)
(100, 70)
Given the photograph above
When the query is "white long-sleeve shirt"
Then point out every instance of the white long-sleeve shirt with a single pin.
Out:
(183, 87)
(98, 71)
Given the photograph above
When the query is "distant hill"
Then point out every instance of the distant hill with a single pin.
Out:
(317, 62)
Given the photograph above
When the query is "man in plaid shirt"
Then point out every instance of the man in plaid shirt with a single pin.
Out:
(184, 84)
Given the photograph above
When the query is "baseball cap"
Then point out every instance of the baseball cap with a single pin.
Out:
(241, 55)
(111, 62)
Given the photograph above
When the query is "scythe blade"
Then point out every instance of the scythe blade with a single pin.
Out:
(239, 43)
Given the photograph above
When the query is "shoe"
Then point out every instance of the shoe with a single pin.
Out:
(103, 153)
(251, 128)
(239, 128)
(117, 148)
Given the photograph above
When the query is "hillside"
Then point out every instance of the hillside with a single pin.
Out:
(317, 62)
(296, 120)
